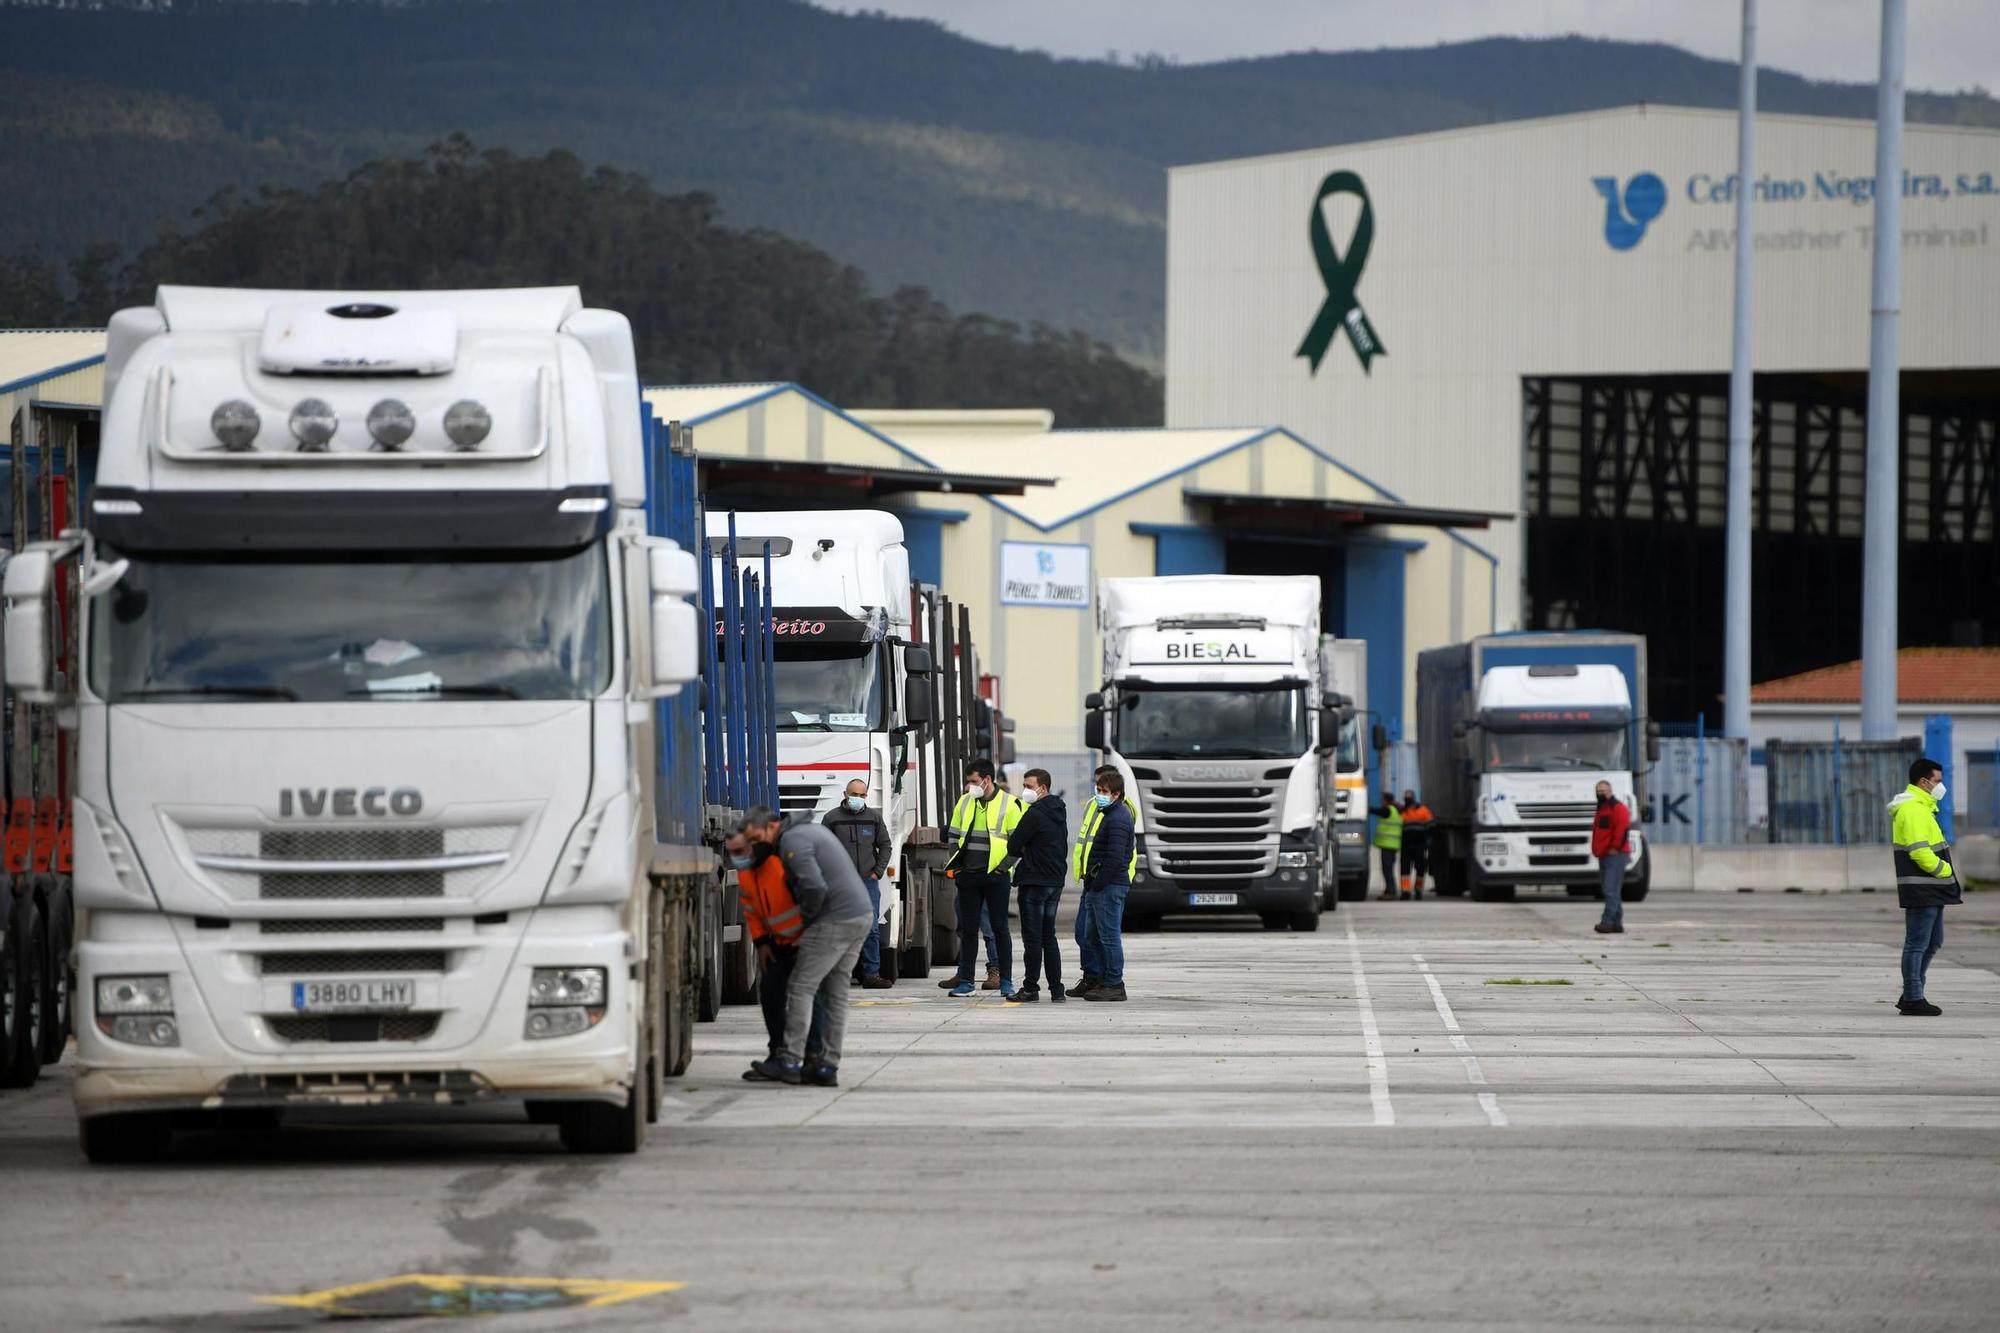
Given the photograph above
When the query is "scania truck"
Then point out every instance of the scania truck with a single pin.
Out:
(1515, 731)
(856, 684)
(1215, 710)
(386, 790)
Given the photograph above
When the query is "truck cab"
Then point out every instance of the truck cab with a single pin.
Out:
(1542, 739)
(372, 631)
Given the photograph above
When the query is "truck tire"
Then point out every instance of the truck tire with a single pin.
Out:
(1272, 920)
(1451, 879)
(892, 961)
(944, 946)
(10, 978)
(25, 999)
(1492, 893)
(1635, 893)
(142, 1136)
(915, 962)
(600, 1128)
(1305, 921)
(677, 1012)
(1354, 890)
(710, 978)
(60, 1004)
(739, 970)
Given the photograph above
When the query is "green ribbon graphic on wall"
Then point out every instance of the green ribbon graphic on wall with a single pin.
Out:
(1342, 308)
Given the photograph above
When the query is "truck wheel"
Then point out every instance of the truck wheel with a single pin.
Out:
(916, 961)
(61, 981)
(677, 1010)
(138, 1137)
(595, 1127)
(1635, 893)
(1493, 893)
(944, 946)
(1305, 921)
(1451, 883)
(710, 994)
(1354, 890)
(25, 999)
(739, 970)
(10, 978)
(1276, 920)
(892, 962)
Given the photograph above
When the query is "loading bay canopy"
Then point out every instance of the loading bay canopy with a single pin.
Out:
(1231, 507)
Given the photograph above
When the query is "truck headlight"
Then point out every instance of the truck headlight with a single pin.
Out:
(1350, 835)
(563, 1001)
(139, 1010)
(1295, 860)
(1484, 813)
(1492, 847)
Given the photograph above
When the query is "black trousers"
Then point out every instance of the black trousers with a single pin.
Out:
(1388, 868)
(1416, 854)
(1038, 933)
(976, 889)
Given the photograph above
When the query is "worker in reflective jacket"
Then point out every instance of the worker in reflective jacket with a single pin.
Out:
(774, 921)
(1925, 882)
(981, 863)
(1388, 840)
(1086, 908)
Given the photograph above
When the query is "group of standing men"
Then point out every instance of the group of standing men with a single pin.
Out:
(1403, 832)
(812, 903)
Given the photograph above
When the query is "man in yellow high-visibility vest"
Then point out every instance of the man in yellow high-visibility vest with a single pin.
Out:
(980, 822)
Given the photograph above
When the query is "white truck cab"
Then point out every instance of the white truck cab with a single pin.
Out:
(373, 631)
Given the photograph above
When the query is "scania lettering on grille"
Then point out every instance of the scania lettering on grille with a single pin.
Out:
(1212, 773)
(349, 802)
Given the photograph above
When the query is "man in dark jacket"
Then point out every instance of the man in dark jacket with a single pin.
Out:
(834, 904)
(1107, 879)
(1041, 840)
(860, 829)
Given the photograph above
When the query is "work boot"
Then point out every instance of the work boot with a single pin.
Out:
(1606, 928)
(1106, 993)
(1084, 987)
(1918, 1009)
(1388, 896)
(1025, 995)
(950, 981)
(992, 981)
(824, 1076)
(1420, 890)
(876, 982)
(1055, 992)
(779, 1070)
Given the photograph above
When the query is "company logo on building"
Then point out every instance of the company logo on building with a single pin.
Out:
(1628, 214)
(1341, 311)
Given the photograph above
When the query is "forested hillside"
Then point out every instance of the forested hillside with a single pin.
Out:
(708, 304)
(1003, 180)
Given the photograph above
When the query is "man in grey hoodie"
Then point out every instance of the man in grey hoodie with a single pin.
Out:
(834, 903)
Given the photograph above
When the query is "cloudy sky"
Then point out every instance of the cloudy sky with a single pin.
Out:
(1953, 44)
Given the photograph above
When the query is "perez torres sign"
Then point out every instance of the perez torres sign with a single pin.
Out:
(1044, 574)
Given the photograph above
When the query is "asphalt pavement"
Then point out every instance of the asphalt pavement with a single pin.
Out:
(1437, 1114)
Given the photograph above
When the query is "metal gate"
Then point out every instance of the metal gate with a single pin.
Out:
(1698, 791)
(1835, 791)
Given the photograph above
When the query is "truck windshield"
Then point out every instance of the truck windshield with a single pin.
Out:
(829, 687)
(219, 630)
(1213, 722)
(1544, 751)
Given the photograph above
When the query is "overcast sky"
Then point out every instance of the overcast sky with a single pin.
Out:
(1952, 44)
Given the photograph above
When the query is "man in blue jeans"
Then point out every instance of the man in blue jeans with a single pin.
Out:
(1925, 881)
(1041, 840)
(862, 832)
(1107, 880)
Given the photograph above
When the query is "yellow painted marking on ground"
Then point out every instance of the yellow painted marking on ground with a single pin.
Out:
(870, 1004)
(593, 1291)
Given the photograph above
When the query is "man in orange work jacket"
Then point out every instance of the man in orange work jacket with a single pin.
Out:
(772, 917)
(1417, 819)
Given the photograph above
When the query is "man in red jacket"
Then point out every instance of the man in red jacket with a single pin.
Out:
(1609, 844)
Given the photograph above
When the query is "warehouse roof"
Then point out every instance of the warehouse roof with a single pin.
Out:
(28, 356)
(1923, 676)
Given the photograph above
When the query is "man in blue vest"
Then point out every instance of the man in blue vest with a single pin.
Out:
(1925, 881)
(981, 822)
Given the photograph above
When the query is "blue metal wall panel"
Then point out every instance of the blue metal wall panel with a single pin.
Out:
(1195, 551)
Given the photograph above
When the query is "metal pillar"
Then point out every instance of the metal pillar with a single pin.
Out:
(1883, 531)
(1736, 596)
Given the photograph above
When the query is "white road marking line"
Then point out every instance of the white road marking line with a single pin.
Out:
(1488, 1102)
(1371, 1037)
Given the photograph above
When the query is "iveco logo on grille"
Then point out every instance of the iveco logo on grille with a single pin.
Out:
(1212, 773)
(349, 802)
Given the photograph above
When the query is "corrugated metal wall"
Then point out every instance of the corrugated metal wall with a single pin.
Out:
(1699, 791)
(1835, 791)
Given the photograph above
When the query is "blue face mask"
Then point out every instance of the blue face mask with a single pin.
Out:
(857, 803)
(740, 862)
(1103, 801)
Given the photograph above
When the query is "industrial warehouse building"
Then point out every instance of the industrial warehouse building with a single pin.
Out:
(1535, 318)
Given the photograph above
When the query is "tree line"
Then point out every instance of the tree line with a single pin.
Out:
(708, 303)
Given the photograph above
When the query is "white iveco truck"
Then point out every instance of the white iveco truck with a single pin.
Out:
(373, 632)
(853, 686)
(1216, 711)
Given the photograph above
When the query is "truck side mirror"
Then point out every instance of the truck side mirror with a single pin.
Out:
(26, 587)
(916, 659)
(1329, 730)
(672, 576)
(1652, 741)
(1006, 751)
(1093, 728)
(917, 710)
(1379, 736)
(1093, 700)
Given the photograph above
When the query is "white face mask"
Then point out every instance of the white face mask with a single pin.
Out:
(1030, 795)
(975, 790)
(1937, 792)
(857, 803)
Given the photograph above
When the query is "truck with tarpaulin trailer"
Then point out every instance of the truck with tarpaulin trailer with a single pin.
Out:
(392, 784)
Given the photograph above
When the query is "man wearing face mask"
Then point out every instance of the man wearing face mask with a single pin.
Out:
(771, 915)
(1041, 840)
(1086, 908)
(982, 821)
(1925, 881)
(1610, 845)
(862, 832)
(834, 904)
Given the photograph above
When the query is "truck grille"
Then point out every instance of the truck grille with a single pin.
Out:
(1556, 812)
(318, 864)
(1211, 829)
(798, 798)
(345, 925)
(320, 961)
(353, 1027)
